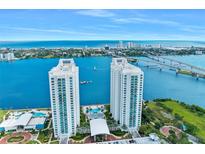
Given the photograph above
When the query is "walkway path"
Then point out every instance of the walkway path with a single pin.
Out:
(49, 141)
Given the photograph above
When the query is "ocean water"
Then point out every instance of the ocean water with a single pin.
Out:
(24, 83)
(95, 43)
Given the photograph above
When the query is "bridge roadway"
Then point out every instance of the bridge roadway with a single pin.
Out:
(191, 67)
(178, 66)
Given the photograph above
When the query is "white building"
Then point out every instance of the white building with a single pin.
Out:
(64, 95)
(198, 52)
(7, 56)
(18, 121)
(126, 93)
(115, 82)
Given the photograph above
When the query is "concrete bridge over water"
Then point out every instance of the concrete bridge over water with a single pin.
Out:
(171, 64)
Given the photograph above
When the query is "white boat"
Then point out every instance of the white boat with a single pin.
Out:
(85, 82)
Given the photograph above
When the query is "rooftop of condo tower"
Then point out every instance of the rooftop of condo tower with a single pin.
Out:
(64, 66)
(119, 61)
(122, 63)
(66, 62)
(131, 69)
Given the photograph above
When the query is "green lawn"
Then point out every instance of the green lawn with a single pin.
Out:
(2, 113)
(188, 116)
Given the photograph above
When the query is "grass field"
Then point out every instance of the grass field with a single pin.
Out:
(188, 116)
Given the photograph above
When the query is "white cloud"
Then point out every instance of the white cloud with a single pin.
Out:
(96, 13)
(193, 28)
(145, 20)
(51, 30)
(180, 26)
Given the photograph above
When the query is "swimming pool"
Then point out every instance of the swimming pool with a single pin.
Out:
(38, 114)
(96, 110)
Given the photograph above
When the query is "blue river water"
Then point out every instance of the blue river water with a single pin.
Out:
(24, 83)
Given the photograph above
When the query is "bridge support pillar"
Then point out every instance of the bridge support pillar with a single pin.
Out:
(197, 76)
(177, 71)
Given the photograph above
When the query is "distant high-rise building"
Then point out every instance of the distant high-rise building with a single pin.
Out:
(7, 56)
(130, 45)
(107, 47)
(126, 93)
(1, 56)
(10, 56)
(64, 95)
(120, 45)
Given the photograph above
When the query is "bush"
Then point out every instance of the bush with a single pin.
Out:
(194, 108)
(183, 139)
(83, 120)
(162, 99)
(118, 132)
(108, 115)
(147, 115)
(158, 125)
(79, 136)
(107, 107)
(202, 141)
(32, 142)
(145, 130)
(178, 117)
(191, 129)
(164, 107)
(44, 136)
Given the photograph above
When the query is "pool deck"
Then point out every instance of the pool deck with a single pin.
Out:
(94, 107)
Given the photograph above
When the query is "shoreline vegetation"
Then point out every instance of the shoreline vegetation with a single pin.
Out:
(46, 53)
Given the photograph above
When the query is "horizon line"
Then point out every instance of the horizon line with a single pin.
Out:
(101, 40)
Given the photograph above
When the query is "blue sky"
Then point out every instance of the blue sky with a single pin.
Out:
(102, 25)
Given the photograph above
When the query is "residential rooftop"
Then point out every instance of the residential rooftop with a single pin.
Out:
(64, 67)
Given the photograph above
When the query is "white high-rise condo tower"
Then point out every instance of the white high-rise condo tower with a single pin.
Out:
(64, 95)
(126, 93)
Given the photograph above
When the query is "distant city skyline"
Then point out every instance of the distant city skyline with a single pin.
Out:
(28, 25)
